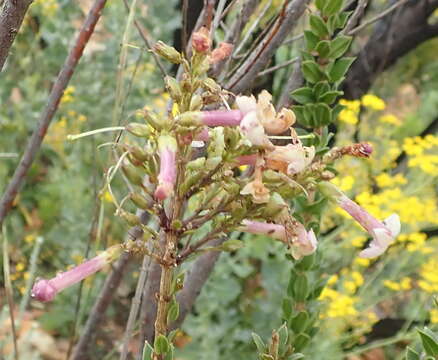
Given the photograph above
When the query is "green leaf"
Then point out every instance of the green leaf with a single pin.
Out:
(318, 26)
(232, 245)
(173, 312)
(411, 354)
(311, 71)
(169, 355)
(323, 48)
(161, 345)
(332, 7)
(307, 56)
(322, 114)
(303, 95)
(306, 262)
(311, 40)
(339, 46)
(321, 88)
(283, 336)
(341, 19)
(330, 96)
(301, 341)
(340, 68)
(147, 351)
(320, 4)
(299, 322)
(429, 340)
(261, 347)
(287, 306)
(301, 287)
(296, 356)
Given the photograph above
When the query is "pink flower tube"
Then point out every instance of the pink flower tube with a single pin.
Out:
(383, 233)
(46, 290)
(275, 231)
(221, 117)
(167, 148)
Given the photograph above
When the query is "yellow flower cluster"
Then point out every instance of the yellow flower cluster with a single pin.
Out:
(68, 97)
(350, 114)
(411, 209)
(423, 153)
(434, 316)
(345, 183)
(390, 119)
(404, 284)
(386, 180)
(338, 304)
(429, 276)
(373, 102)
(416, 241)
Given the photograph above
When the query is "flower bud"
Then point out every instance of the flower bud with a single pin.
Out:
(132, 174)
(138, 153)
(221, 53)
(190, 118)
(196, 103)
(131, 219)
(140, 130)
(201, 41)
(140, 201)
(152, 119)
(174, 88)
(210, 85)
(168, 52)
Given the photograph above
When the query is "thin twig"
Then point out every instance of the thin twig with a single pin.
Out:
(52, 105)
(195, 280)
(32, 270)
(185, 7)
(145, 37)
(277, 67)
(8, 289)
(376, 18)
(355, 17)
(135, 305)
(11, 18)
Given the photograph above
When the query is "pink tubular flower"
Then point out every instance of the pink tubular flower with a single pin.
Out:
(302, 244)
(167, 148)
(261, 228)
(221, 117)
(290, 159)
(46, 290)
(383, 233)
(305, 243)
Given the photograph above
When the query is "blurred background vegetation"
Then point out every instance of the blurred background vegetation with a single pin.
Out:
(369, 307)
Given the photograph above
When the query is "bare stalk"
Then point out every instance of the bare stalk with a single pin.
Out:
(52, 105)
(11, 18)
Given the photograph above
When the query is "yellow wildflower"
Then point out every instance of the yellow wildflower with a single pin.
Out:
(373, 102)
(390, 119)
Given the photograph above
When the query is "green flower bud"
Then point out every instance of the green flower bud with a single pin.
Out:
(168, 52)
(210, 85)
(196, 164)
(132, 174)
(190, 118)
(174, 88)
(153, 120)
(196, 103)
(140, 130)
(138, 153)
(140, 201)
(131, 219)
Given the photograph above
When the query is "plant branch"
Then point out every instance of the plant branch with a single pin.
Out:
(195, 280)
(51, 107)
(356, 16)
(247, 72)
(11, 18)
